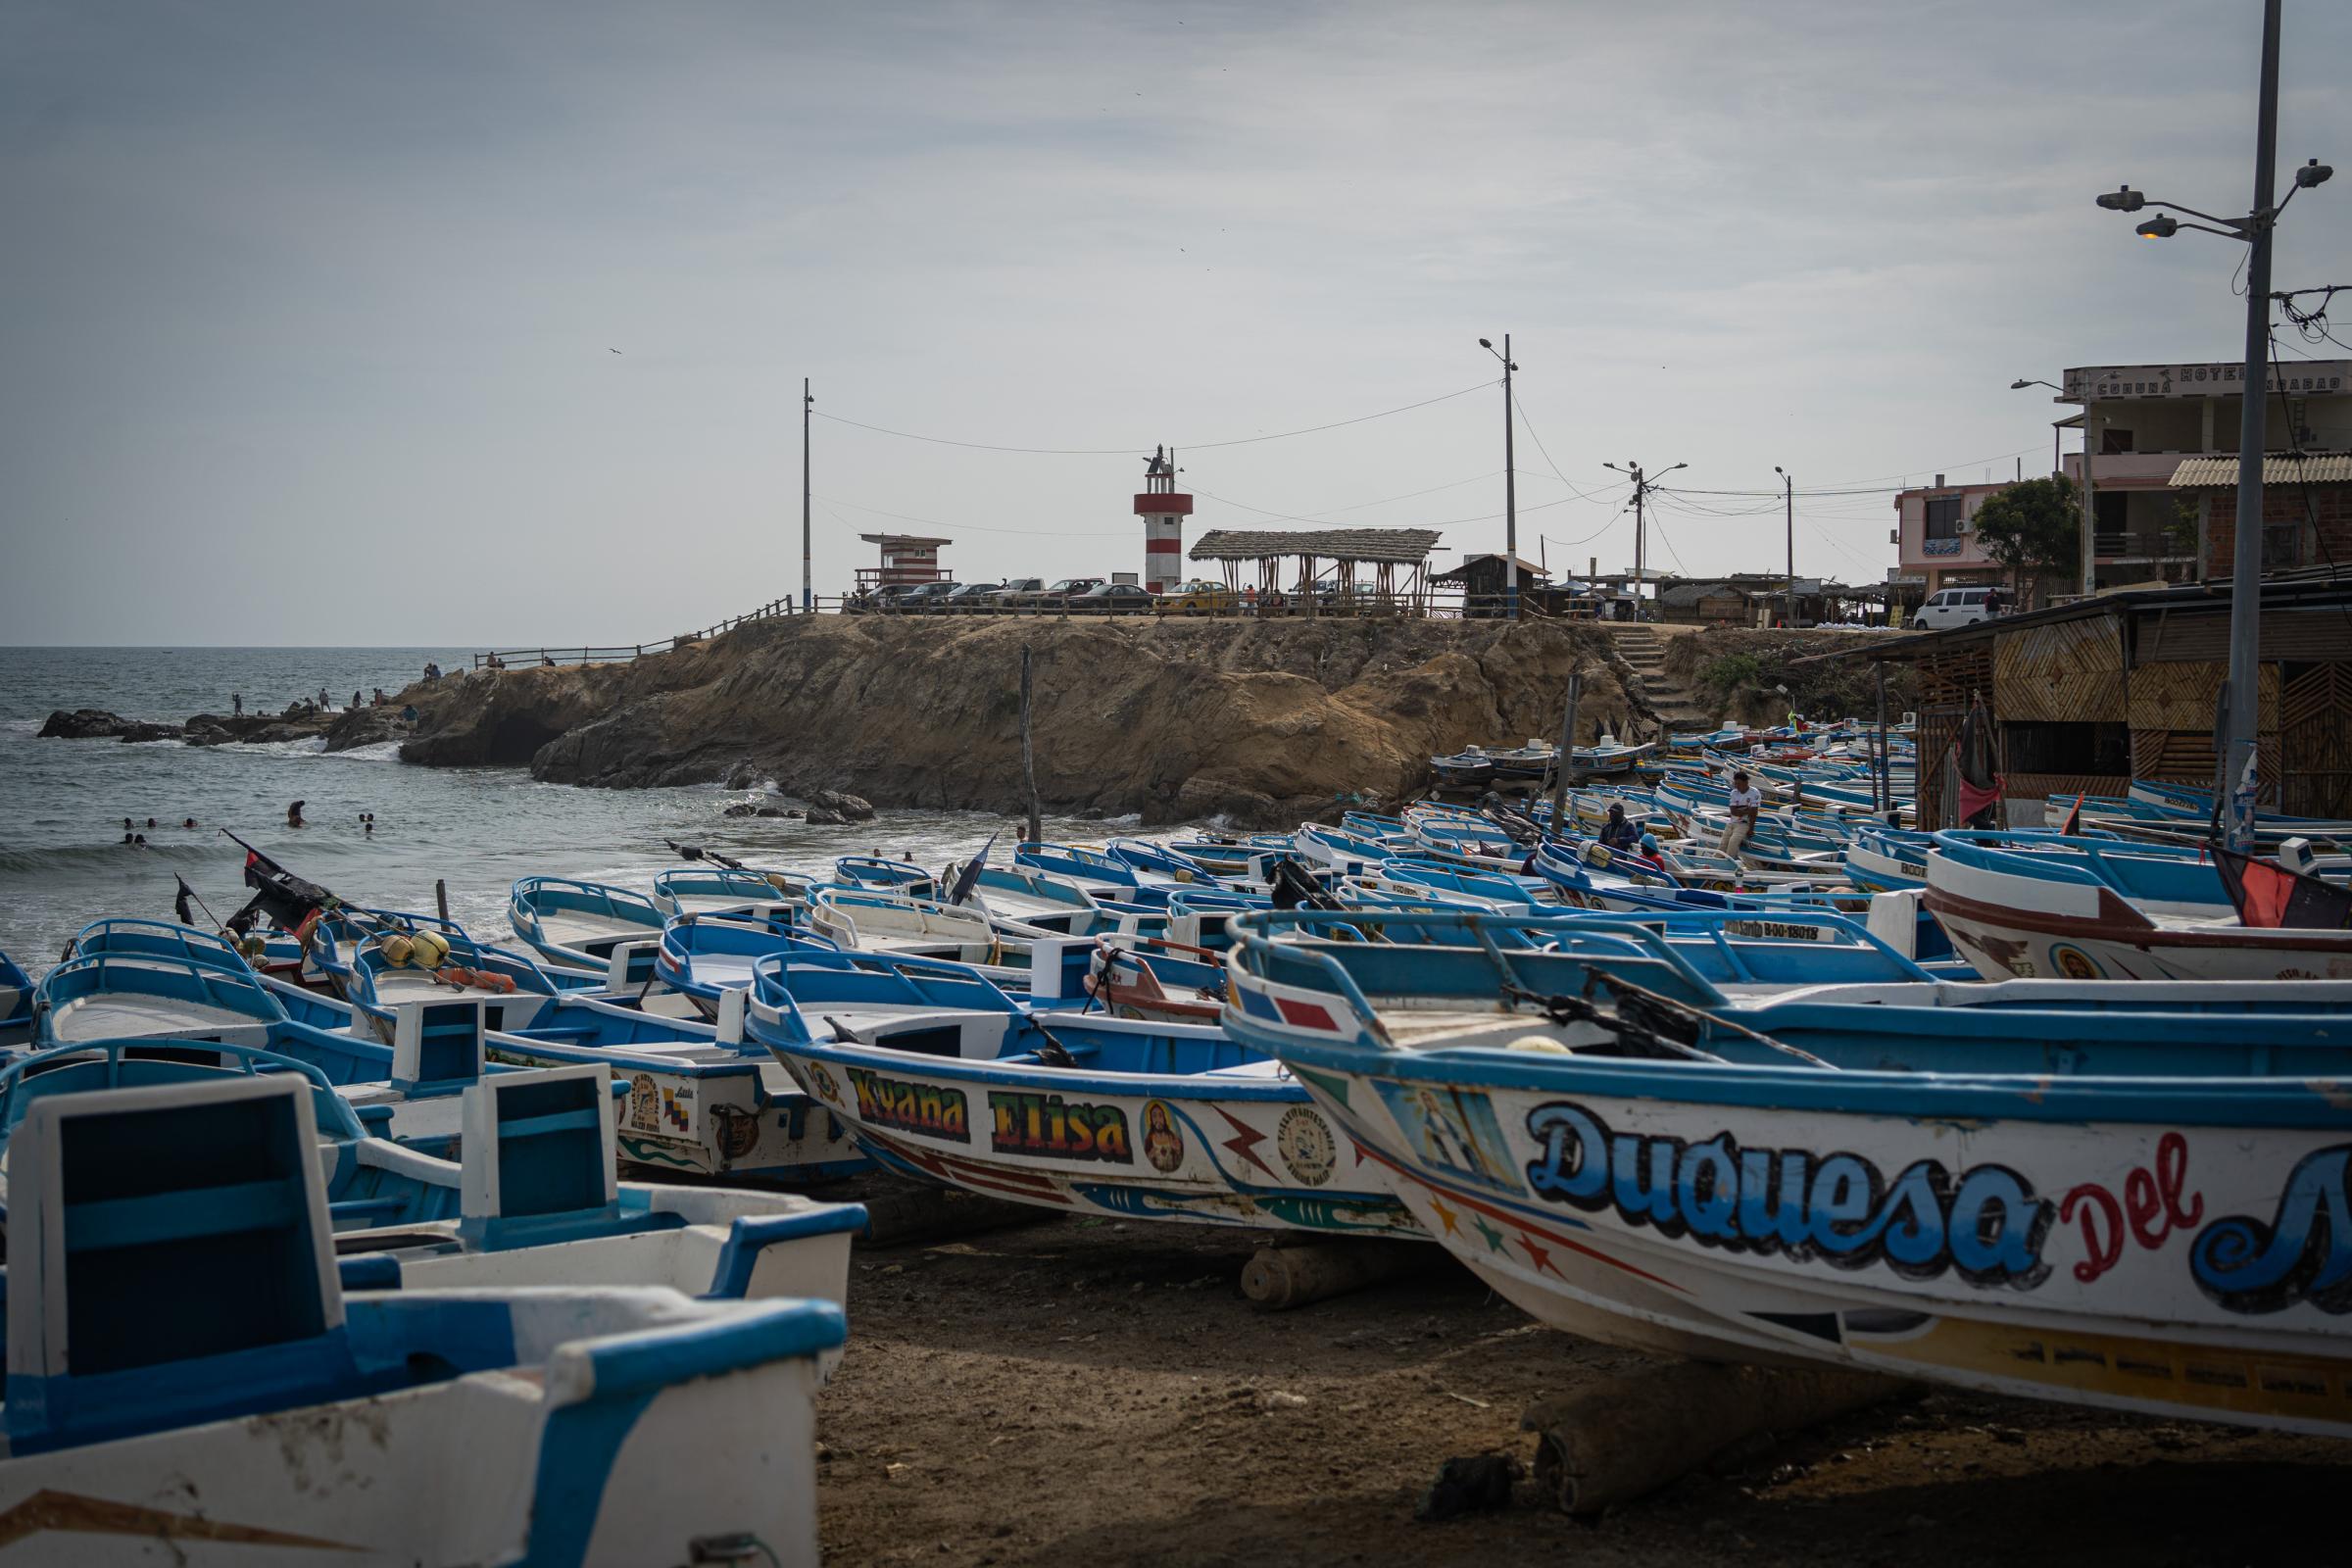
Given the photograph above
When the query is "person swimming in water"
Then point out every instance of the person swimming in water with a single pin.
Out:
(294, 815)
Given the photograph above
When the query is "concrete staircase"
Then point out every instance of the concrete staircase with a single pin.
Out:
(1644, 648)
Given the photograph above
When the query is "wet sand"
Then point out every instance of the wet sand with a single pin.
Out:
(1099, 1393)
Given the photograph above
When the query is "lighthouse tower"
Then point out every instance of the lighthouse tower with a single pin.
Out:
(1163, 509)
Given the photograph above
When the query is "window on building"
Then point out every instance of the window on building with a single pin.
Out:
(1944, 521)
(2282, 546)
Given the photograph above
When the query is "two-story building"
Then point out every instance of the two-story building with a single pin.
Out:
(2163, 451)
(1938, 547)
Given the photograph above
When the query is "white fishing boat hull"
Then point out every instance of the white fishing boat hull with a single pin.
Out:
(2037, 928)
(612, 1453)
(2093, 1264)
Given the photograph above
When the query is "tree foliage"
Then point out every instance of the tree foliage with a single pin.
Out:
(2032, 526)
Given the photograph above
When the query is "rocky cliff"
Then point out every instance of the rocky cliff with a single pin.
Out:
(1259, 723)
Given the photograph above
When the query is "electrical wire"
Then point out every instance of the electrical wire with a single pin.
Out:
(1124, 452)
(972, 528)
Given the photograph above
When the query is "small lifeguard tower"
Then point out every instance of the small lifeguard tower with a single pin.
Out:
(907, 559)
(1163, 509)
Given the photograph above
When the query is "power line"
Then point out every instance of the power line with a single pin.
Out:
(1124, 452)
(974, 527)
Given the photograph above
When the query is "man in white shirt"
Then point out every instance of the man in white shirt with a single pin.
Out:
(1747, 804)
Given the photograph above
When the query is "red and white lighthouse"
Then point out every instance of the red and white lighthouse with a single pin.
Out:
(1163, 509)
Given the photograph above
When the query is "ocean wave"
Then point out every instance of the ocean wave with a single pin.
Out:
(381, 752)
(304, 745)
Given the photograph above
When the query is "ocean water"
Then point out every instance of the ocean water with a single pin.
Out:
(63, 863)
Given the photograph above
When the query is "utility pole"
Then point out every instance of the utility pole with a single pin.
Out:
(1642, 489)
(2089, 552)
(1788, 500)
(1510, 486)
(2240, 696)
(2254, 397)
(808, 573)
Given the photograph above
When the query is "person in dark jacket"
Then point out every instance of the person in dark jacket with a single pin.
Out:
(1617, 833)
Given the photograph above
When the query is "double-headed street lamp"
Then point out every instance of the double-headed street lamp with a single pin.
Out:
(2236, 782)
(1510, 486)
(1641, 490)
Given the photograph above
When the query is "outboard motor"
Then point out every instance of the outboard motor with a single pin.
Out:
(2295, 854)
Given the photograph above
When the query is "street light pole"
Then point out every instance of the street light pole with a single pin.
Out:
(2245, 561)
(2236, 782)
(808, 572)
(1642, 489)
(1788, 499)
(1510, 486)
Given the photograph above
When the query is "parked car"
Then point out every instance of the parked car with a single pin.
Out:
(885, 601)
(1952, 606)
(927, 598)
(1113, 599)
(972, 596)
(1200, 598)
(1015, 592)
(1053, 594)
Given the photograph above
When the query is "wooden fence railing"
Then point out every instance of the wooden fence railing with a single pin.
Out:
(1238, 607)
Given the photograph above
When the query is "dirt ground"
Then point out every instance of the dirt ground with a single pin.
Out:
(1099, 1393)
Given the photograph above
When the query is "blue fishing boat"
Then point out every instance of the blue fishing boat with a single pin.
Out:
(2056, 904)
(947, 1079)
(731, 890)
(16, 1002)
(537, 1421)
(579, 924)
(2108, 1193)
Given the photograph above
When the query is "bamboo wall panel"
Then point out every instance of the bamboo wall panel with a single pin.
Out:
(2295, 633)
(2316, 742)
(1949, 679)
(2185, 756)
(2071, 671)
(2181, 696)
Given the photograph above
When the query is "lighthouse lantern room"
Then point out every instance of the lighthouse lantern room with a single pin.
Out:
(1163, 509)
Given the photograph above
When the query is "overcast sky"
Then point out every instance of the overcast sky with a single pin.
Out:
(311, 310)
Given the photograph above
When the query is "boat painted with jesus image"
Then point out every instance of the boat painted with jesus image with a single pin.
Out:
(947, 1079)
(2128, 1195)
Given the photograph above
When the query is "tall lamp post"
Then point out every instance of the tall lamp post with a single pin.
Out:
(1788, 500)
(808, 572)
(2024, 382)
(2087, 551)
(1510, 486)
(2236, 781)
(1642, 489)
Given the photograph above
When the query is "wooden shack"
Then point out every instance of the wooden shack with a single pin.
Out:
(2092, 695)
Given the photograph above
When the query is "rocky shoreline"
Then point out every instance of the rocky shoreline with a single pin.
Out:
(1260, 723)
(1253, 722)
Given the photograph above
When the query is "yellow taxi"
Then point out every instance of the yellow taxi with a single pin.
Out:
(1199, 597)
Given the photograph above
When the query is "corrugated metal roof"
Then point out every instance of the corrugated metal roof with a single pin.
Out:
(1404, 546)
(2279, 468)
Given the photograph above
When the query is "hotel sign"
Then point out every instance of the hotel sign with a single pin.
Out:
(2296, 378)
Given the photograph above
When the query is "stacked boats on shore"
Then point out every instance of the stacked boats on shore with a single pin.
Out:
(1834, 1094)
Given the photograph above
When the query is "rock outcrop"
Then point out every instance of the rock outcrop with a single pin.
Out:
(1260, 723)
(97, 724)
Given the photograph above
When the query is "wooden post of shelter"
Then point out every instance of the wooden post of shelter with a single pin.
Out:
(1029, 754)
(1567, 752)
